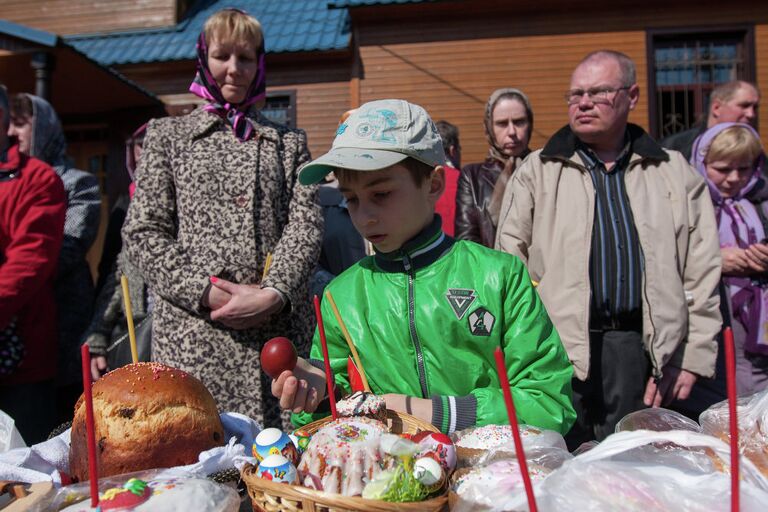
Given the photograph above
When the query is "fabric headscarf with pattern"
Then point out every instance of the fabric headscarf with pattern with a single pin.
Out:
(205, 86)
(496, 153)
(739, 225)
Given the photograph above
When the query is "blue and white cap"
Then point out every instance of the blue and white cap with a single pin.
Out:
(377, 135)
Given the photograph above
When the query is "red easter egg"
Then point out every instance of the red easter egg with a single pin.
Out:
(278, 355)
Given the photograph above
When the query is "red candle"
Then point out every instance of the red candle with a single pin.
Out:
(730, 380)
(328, 373)
(501, 368)
(93, 467)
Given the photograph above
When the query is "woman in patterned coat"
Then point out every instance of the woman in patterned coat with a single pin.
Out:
(217, 191)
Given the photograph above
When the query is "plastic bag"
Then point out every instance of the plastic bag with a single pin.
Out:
(647, 471)
(752, 414)
(9, 434)
(656, 419)
(165, 490)
(496, 483)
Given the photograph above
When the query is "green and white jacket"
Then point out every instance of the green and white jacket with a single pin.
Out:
(426, 320)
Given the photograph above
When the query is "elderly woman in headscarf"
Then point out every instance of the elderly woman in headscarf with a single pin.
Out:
(216, 193)
(35, 123)
(508, 125)
(730, 157)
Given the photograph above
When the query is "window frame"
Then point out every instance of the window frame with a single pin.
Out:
(652, 35)
(291, 94)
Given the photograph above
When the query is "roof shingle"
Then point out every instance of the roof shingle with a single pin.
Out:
(289, 26)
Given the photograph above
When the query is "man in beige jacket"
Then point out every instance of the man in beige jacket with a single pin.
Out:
(621, 237)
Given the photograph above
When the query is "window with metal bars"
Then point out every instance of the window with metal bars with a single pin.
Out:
(685, 67)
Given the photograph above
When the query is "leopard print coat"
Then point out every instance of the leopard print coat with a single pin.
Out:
(209, 205)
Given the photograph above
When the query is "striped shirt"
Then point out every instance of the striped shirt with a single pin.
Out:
(615, 267)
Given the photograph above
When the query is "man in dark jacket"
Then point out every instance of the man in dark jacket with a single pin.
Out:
(32, 209)
(731, 102)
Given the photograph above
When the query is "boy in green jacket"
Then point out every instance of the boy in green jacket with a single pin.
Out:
(425, 312)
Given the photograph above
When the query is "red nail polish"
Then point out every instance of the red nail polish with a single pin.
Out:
(214, 279)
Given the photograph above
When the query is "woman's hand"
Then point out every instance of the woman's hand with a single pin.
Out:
(301, 389)
(248, 306)
(217, 298)
(757, 254)
(98, 367)
(739, 262)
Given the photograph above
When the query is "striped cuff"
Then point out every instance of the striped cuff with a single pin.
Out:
(452, 413)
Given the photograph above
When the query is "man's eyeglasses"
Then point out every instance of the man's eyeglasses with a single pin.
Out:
(602, 95)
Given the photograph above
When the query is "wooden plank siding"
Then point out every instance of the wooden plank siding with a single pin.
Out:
(318, 109)
(89, 16)
(454, 79)
(761, 69)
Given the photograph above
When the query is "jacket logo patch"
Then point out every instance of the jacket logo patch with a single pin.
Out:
(460, 300)
(481, 322)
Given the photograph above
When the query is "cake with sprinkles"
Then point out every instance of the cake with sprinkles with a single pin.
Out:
(146, 415)
(343, 456)
(363, 403)
(474, 442)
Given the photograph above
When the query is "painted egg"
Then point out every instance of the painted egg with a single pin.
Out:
(278, 469)
(273, 441)
(428, 471)
(301, 439)
(441, 445)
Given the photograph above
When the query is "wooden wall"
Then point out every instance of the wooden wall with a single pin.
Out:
(761, 68)
(89, 16)
(450, 63)
(453, 80)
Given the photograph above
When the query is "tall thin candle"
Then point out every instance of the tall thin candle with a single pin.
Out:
(93, 466)
(730, 381)
(328, 372)
(501, 368)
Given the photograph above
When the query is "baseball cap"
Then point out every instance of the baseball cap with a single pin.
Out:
(379, 134)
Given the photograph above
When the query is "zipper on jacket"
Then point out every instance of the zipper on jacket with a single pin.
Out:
(656, 370)
(412, 327)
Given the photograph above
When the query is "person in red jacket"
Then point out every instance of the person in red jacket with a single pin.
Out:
(446, 205)
(32, 209)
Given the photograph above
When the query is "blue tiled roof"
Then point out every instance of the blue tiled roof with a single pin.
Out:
(360, 3)
(289, 26)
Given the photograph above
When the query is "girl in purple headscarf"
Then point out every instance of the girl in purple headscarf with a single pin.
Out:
(730, 157)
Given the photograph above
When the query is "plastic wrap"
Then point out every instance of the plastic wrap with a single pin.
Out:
(496, 484)
(753, 426)
(473, 443)
(647, 471)
(656, 419)
(168, 490)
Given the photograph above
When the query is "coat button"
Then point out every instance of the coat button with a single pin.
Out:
(241, 201)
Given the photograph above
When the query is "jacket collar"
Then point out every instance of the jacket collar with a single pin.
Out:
(202, 123)
(564, 143)
(418, 252)
(10, 161)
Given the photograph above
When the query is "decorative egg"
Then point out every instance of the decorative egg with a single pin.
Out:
(278, 469)
(301, 439)
(441, 445)
(428, 471)
(273, 441)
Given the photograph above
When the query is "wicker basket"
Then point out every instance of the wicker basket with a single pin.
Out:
(269, 496)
